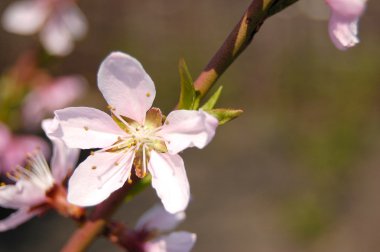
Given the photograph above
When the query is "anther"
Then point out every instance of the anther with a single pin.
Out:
(129, 180)
(111, 108)
(148, 94)
(85, 128)
(93, 168)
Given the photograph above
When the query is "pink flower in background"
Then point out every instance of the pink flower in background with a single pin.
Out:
(148, 237)
(135, 136)
(35, 190)
(60, 22)
(13, 148)
(44, 99)
(343, 24)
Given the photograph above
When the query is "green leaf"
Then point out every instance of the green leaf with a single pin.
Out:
(224, 115)
(138, 187)
(213, 99)
(187, 95)
(197, 100)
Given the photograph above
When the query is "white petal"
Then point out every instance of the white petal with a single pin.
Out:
(188, 128)
(64, 158)
(56, 37)
(98, 176)
(86, 128)
(126, 86)
(22, 194)
(174, 242)
(343, 24)
(15, 219)
(25, 17)
(343, 32)
(74, 20)
(170, 181)
(157, 218)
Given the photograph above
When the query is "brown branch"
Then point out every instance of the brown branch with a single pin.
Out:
(240, 37)
(96, 223)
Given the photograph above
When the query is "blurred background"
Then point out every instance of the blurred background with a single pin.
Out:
(298, 171)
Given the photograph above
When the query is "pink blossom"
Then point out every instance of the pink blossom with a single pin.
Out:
(47, 98)
(60, 22)
(133, 136)
(36, 186)
(13, 148)
(343, 24)
(149, 236)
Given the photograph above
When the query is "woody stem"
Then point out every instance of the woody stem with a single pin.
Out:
(238, 40)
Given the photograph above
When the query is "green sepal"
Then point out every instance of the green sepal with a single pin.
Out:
(224, 115)
(210, 104)
(188, 94)
(138, 187)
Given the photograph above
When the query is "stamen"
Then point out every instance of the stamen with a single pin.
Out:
(110, 107)
(144, 161)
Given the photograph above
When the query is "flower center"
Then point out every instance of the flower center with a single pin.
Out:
(36, 172)
(141, 139)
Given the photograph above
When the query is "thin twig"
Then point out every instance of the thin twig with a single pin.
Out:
(240, 37)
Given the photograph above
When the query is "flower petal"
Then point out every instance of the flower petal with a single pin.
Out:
(158, 219)
(25, 17)
(343, 32)
(98, 176)
(18, 147)
(170, 181)
(5, 137)
(347, 8)
(174, 242)
(343, 24)
(64, 158)
(188, 128)
(45, 99)
(126, 86)
(86, 128)
(17, 218)
(74, 20)
(22, 194)
(56, 37)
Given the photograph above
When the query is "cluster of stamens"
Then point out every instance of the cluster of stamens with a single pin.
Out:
(140, 139)
(35, 171)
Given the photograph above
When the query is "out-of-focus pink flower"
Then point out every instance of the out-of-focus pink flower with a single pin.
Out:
(14, 148)
(60, 21)
(44, 99)
(134, 135)
(37, 188)
(343, 24)
(5, 137)
(148, 234)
